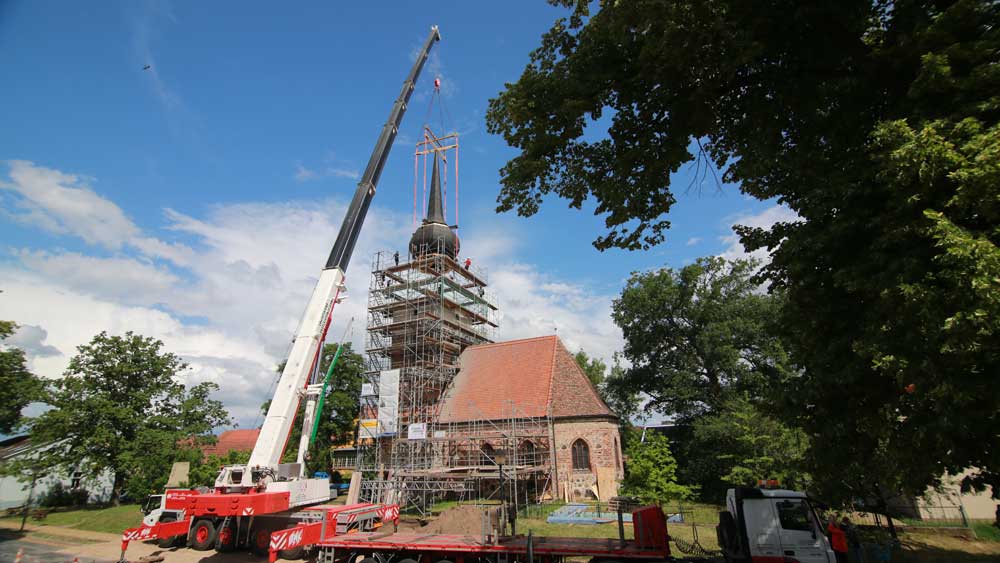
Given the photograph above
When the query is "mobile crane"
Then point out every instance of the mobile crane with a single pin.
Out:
(249, 501)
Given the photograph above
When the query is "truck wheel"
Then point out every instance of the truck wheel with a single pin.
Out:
(172, 540)
(227, 538)
(203, 535)
(294, 553)
(260, 540)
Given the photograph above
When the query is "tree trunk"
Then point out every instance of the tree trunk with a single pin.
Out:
(116, 489)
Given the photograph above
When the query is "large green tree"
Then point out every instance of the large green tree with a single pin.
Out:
(651, 473)
(594, 367)
(742, 444)
(704, 350)
(877, 123)
(121, 408)
(338, 420)
(18, 386)
(697, 335)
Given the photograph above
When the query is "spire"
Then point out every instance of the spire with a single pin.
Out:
(435, 212)
(434, 236)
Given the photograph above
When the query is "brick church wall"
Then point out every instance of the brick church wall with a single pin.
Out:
(604, 444)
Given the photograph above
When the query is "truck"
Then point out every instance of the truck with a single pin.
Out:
(770, 525)
(758, 525)
(250, 500)
(329, 538)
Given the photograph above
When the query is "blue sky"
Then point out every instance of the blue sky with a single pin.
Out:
(196, 201)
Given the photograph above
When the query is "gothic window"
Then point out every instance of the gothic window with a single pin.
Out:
(486, 455)
(581, 455)
(526, 454)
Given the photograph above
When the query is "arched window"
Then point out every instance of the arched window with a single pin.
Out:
(581, 455)
(486, 455)
(526, 453)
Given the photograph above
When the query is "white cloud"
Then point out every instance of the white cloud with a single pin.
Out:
(693, 241)
(343, 173)
(31, 339)
(765, 219)
(303, 174)
(65, 204)
(229, 303)
(534, 304)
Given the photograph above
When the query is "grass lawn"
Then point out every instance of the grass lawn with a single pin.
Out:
(986, 531)
(699, 519)
(110, 520)
(918, 546)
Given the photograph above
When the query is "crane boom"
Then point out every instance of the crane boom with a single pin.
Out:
(342, 249)
(250, 498)
(266, 456)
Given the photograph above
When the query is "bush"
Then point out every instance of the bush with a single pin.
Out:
(58, 495)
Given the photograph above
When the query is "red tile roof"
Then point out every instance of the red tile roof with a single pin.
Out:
(523, 378)
(230, 440)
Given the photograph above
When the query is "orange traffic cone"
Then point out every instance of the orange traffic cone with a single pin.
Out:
(19, 556)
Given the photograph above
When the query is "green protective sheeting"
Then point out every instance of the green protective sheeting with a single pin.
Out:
(322, 394)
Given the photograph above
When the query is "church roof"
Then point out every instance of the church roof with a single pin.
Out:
(534, 377)
(232, 440)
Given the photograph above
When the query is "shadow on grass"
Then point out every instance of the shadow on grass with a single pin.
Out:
(917, 551)
(11, 535)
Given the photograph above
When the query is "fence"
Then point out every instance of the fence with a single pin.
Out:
(923, 514)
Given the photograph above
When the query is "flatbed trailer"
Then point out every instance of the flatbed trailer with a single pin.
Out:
(383, 545)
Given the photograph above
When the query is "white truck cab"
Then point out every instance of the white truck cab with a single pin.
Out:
(773, 525)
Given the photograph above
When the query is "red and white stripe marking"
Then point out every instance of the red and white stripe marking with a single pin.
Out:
(137, 534)
(286, 539)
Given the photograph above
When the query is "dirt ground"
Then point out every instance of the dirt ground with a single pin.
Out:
(50, 544)
(464, 520)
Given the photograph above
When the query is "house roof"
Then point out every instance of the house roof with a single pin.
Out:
(14, 446)
(534, 377)
(232, 440)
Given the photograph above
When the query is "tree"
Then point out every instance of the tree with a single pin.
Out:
(120, 408)
(202, 472)
(651, 472)
(595, 368)
(745, 445)
(877, 123)
(18, 386)
(338, 420)
(620, 396)
(697, 335)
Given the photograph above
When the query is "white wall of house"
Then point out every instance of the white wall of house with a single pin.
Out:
(977, 506)
(14, 491)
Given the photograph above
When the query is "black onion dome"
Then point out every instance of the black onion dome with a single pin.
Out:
(434, 235)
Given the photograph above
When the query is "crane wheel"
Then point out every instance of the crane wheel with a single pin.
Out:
(226, 538)
(172, 540)
(260, 540)
(203, 535)
(294, 553)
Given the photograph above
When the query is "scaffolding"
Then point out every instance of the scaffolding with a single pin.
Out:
(422, 313)
(424, 309)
